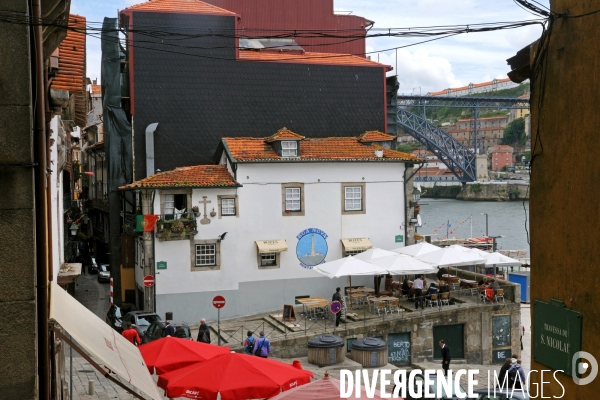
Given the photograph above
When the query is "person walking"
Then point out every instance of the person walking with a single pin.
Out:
(418, 289)
(502, 375)
(203, 332)
(337, 297)
(262, 348)
(516, 376)
(445, 357)
(249, 343)
(131, 334)
(169, 329)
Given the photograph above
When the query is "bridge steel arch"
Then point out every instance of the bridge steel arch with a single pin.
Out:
(459, 159)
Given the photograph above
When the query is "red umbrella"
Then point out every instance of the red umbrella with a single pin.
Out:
(170, 353)
(323, 389)
(233, 376)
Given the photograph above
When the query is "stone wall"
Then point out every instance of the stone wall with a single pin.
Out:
(477, 320)
(494, 192)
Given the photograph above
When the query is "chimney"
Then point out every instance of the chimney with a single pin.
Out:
(150, 148)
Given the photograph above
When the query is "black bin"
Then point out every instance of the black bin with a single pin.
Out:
(326, 350)
(370, 352)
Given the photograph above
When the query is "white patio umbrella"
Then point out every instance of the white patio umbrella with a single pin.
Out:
(471, 250)
(448, 257)
(374, 253)
(348, 266)
(417, 249)
(497, 259)
(402, 264)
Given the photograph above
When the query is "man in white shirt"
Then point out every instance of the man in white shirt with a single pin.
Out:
(418, 289)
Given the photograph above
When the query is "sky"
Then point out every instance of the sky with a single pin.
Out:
(450, 62)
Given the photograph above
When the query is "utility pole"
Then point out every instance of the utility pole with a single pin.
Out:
(486, 224)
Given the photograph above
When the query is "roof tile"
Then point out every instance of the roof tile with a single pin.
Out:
(282, 134)
(375, 136)
(246, 149)
(310, 58)
(195, 176)
(180, 6)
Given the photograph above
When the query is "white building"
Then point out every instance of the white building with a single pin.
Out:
(269, 211)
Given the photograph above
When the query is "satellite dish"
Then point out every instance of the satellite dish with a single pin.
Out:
(419, 224)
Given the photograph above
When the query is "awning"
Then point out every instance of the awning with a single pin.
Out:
(271, 246)
(102, 342)
(356, 244)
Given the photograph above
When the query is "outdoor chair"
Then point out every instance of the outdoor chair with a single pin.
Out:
(499, 295)
(379, 306)
(445, 299)
(394, 306)
(432, 300)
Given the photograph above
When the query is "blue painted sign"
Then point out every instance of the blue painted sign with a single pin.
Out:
(312, 247)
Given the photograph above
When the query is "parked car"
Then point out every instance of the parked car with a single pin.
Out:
(517, 394)
(114, 315)
(141, 320)
(511, 169)
(93, 266)
(156, 330)
(419, 380)
(104, 273)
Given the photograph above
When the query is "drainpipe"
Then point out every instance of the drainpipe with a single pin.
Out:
(41, 221)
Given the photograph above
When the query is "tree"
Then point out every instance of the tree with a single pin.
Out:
(405, 148)
(514, 133)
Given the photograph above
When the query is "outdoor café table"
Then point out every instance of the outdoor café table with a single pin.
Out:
(465, 283)
(450, 278)
(382, 299)
(361, 290)
(311, 303)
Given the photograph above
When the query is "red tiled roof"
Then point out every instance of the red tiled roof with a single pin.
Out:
(283, 134)
(324, 149)
(96, 89)
(310, 58)
(375, 136)
(180, 6)
(71, 66)
(195, 176)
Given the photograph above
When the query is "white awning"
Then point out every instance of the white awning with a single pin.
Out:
(102, 342)
(271, 246)
(356, 244)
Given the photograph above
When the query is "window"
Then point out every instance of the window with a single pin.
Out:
(289, 148)
(353, 198)
(228, 206)
(352, 252)
(292, 201)
(268, 259)
(205, 255)
(174, 202)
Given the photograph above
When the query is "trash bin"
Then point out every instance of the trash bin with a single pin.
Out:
(326, 350)
(370, 352)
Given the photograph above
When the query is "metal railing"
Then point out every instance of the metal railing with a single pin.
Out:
(177, 226)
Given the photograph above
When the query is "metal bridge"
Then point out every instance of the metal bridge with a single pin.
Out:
(460, 159)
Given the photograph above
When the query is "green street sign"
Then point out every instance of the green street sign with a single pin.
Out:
(399, 238)
(161, 265)
(556, 335)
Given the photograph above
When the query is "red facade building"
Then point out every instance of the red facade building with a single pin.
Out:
(312, 23)
(501, 156)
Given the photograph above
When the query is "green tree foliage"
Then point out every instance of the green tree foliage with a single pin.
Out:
(405, 148)
(514, 133)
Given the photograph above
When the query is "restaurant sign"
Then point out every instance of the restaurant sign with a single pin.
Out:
(556, 335)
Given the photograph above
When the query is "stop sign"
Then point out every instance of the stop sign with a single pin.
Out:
(219, 302)
(148, 281)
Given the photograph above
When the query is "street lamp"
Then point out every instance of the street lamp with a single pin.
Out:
(494, 248)
(74, 228)
(486, 224)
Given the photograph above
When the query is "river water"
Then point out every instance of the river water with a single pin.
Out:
(506, 218)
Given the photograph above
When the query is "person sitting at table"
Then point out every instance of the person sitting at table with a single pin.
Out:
(432, 290)
(388, 282)
(444, 288)
(405, 287)
(418, 291)
(483, 281)
(494, 285)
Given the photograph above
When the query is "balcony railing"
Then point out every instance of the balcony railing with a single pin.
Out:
(177, 226)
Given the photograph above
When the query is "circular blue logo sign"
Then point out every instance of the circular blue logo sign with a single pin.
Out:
(312, 247)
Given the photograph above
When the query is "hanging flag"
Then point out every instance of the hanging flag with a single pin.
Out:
(146, 223)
